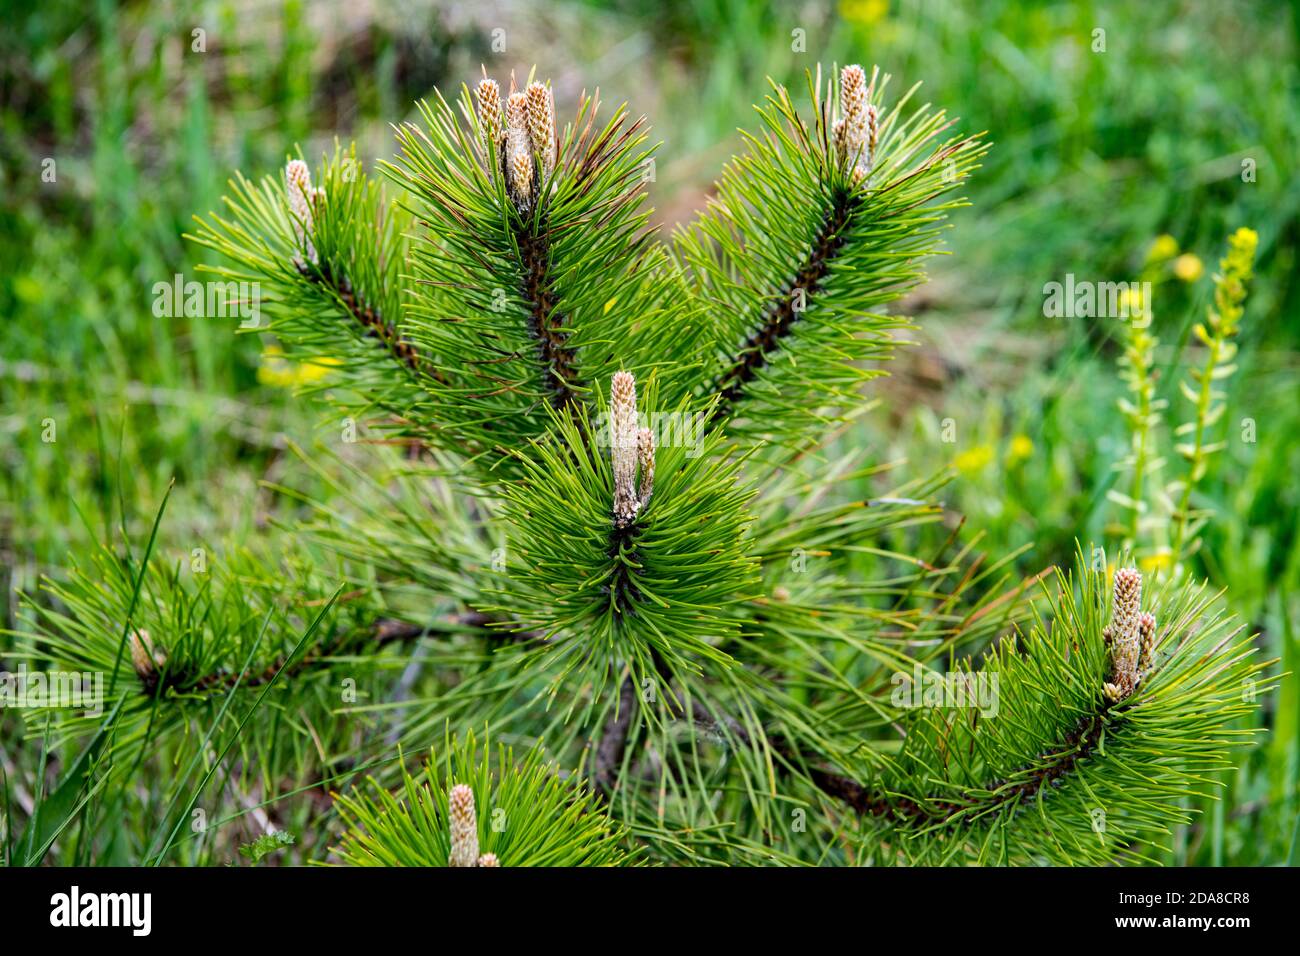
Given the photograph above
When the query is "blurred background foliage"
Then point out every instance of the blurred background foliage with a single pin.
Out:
(1096, 155)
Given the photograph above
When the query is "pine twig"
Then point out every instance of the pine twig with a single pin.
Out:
(367, 316)
(779, 319)
(547, 323)
(613, 741)
(383, 632)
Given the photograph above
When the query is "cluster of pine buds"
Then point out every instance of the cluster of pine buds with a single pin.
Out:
(631, 448)
(523, 133)
(464, 830)
(858, 127)
(1130, 635)
(303, 200)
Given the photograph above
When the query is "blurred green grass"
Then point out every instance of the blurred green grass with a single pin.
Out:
(1096, 153)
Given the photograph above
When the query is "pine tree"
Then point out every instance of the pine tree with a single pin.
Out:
(601, 510)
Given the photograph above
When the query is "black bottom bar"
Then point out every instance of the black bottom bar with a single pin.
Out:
(333, 906)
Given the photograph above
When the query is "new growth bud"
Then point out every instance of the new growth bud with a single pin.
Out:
(519, 152)
(858, 128)
(488, 859)
(622, 433)
(490, 118)
(541, 127)
(464, 827)
(1147, 638)
(630, 447)
(302, 202)
(1131, 635)
(645, 458)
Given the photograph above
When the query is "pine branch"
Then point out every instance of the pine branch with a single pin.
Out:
(1105, 733)
(532, 283)
(326, 262)
(812, 232)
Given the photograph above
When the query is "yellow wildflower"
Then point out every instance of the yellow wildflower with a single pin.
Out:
(1130, 300)
(864, 12)
(1230, 286)
(1021, 447)
(1159, 561)
(279, 372)
(1164, 247)
(1241, 252)
(1188, 267)
(973, 459)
